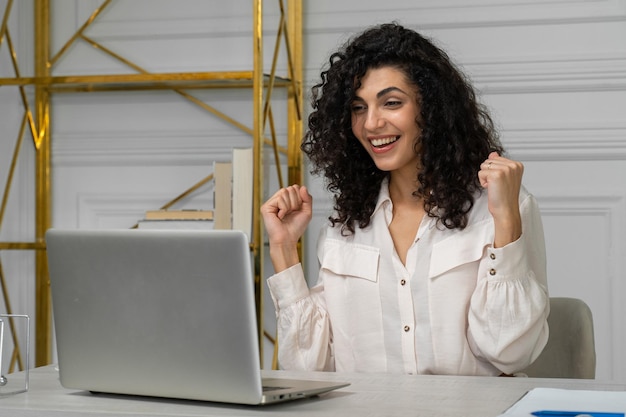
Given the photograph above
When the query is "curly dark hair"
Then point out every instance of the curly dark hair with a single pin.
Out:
(457, 132)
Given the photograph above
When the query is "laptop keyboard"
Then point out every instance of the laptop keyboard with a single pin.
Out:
(266, 388)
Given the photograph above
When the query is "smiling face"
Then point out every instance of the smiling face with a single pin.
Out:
(384, 114)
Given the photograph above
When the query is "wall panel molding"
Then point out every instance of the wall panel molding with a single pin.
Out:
(109, 210)
(605, 297)
(580, 73)
(566, 143)
(162, 38)
(448, 14)
(140, 20)
(145, 148)
(200, 16)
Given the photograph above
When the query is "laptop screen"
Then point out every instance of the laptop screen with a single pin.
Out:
(156, 312)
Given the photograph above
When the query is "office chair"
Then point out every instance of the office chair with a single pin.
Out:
(570, 351)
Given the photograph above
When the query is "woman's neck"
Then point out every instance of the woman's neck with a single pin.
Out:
(402, 188)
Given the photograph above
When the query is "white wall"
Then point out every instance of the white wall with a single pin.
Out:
(553, 73)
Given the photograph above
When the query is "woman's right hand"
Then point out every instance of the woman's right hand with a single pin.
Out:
(286, 216)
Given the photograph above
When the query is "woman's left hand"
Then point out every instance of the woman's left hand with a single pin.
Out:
(502, 178)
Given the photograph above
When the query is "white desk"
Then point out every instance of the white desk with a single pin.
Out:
(369, 395)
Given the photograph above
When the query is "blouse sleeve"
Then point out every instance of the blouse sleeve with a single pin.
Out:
(303, 327)
(509, 308)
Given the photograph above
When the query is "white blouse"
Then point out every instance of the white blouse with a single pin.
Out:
(459, 306)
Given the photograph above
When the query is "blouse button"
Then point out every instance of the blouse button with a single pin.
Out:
(492, 256)
(403, 282)
(492, 271)
(407, 328)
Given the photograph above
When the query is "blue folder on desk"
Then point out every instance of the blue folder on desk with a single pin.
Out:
(557, 402)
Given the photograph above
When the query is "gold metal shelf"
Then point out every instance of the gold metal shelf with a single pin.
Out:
(21, 246)
(135, 82)
(36, 121)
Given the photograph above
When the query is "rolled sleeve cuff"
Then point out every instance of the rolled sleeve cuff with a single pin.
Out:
(288, 287)
(508, 262)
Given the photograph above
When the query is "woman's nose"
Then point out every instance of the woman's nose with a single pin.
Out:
(374, 120)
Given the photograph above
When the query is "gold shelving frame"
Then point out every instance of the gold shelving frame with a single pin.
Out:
(37, 120)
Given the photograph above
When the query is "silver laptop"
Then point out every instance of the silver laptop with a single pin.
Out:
(167, 313)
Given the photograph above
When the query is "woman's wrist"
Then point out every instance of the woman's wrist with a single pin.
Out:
(507, 231)
(284, 256)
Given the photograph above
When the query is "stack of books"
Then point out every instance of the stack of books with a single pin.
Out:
(232, 200)
(177, 219)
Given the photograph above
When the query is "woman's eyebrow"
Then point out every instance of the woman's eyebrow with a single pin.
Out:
(389, 90)
(382, 92)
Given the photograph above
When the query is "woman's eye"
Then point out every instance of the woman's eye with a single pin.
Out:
(393, 103)
(357, 108)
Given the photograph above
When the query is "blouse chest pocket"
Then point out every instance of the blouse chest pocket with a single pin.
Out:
(350, 260)
(463, 248)
(349, 273)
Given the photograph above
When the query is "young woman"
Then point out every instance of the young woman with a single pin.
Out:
(434, 260)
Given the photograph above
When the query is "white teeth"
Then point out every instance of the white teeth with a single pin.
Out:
(384, 141)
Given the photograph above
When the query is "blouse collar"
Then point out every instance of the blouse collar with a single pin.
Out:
(383, 196)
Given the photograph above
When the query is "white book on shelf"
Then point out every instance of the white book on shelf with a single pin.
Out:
(177, 219)
(222, 194)
(184, 214)
(243, 188)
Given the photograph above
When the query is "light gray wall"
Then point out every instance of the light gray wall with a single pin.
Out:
(553, 73)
